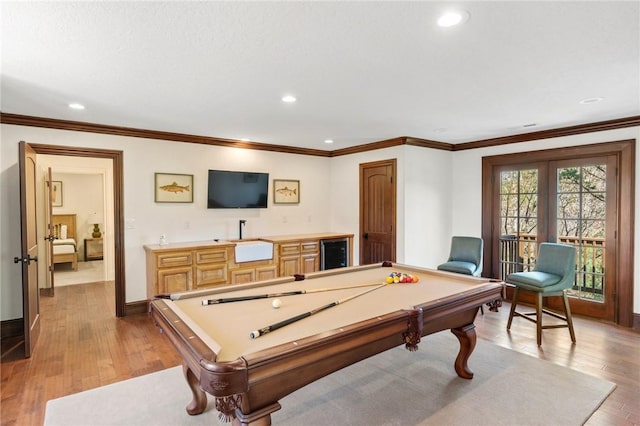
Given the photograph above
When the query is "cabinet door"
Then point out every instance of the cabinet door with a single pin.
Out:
(242, 276)
(173, 280)
(266, 273)
(310, 263)
(289, 265)
(210, 275)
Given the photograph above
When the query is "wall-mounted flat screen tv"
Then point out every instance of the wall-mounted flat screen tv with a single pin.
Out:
(237, 190)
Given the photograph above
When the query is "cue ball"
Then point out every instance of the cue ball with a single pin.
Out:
(276, 303)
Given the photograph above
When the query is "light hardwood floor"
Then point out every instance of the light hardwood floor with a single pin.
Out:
(83, 346)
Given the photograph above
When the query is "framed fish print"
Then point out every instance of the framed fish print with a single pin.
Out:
(173, 188)
(286, 191)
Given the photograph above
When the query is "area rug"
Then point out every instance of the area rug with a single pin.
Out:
(396, 387)
(88, 272)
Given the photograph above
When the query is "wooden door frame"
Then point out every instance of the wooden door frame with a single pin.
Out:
(394, 211)
(624, 151)
(49, 291)
(118, 207)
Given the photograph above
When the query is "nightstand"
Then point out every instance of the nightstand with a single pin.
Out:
(93, 249)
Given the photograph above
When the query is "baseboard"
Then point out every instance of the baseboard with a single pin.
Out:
(139, 307)
(12, 328)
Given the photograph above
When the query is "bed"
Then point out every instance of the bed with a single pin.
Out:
(65, 246)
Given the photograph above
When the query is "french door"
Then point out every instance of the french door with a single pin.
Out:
(570, 202)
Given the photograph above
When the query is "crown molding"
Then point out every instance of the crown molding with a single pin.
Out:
(52, 123)
(79, 126)
(599, 126)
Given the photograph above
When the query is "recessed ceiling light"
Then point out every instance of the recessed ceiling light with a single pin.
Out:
(328, 141)
(591, 101)
(289, 99)
(454, 17)
(76, 105)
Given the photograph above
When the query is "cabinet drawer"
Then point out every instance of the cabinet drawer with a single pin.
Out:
(176, 258)
(289, 249)
(211, 256)
(310, 246)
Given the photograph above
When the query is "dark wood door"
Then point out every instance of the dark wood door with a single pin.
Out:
(583, 212)
(571, 201)
(29, 253)
(377, 212)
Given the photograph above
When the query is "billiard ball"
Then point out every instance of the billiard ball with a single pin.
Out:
(276, 303)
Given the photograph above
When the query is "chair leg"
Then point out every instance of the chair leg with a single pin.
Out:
(514, 302)
(539, 319)
(567, 314)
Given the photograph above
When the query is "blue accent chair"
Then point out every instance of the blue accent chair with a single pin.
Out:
(553, 274)
(465, 256)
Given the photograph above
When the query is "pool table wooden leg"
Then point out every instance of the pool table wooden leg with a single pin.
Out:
(199, 401)
(467, 337)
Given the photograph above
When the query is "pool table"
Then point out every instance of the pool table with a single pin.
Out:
(349, 314)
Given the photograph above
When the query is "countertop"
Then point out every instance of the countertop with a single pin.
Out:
(225, 243)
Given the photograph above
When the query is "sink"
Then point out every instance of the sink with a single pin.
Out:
(249, 251)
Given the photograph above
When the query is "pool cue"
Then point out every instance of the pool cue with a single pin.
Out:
(257, 333)
(286, 293)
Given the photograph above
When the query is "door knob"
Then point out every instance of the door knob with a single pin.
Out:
(26, 260)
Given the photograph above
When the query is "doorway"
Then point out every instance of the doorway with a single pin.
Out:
(582, 197)
(378, 212)
(117, 209)
(82, 195)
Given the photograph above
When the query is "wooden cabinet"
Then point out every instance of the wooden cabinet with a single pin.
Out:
(189, 266)
(298, 257)
(254, 271)
(210, 267)
(176, 269)
(93, 249)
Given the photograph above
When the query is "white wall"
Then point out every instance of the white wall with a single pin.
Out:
(146, 220)
(439, 195)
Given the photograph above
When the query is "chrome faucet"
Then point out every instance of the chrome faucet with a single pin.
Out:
(240, 225)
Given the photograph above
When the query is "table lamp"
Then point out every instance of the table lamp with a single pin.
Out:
(96, 219)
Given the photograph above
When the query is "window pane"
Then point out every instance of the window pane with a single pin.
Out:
(568, 206)
(518, 221)
(594, 206)
(581, 219)
(528, 205)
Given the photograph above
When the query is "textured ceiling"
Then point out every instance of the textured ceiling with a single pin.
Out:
(362, 71)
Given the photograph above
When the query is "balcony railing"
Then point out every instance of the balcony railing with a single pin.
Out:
(518, 253)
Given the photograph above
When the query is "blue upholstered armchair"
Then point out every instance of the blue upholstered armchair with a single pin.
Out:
(465, 256)
(552, 275)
